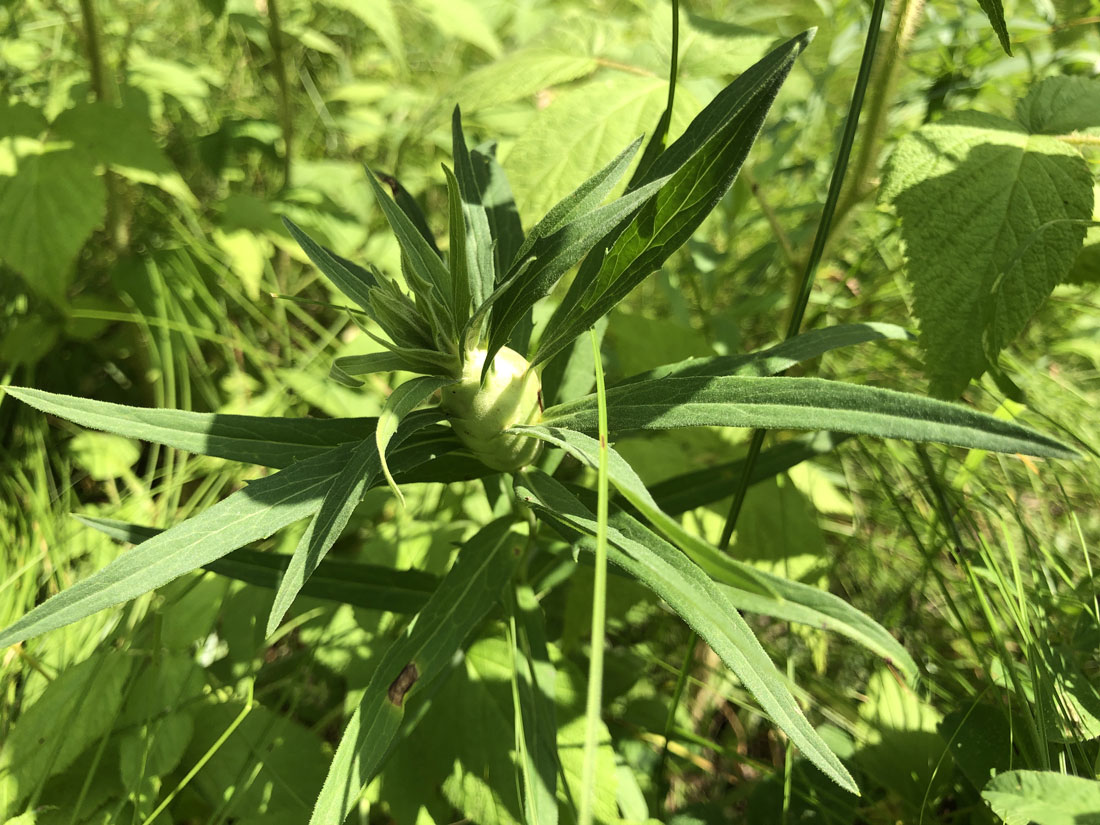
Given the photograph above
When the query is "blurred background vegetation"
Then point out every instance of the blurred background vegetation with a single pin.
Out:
(147, 153)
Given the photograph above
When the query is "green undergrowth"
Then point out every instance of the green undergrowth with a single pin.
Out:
(193, 133)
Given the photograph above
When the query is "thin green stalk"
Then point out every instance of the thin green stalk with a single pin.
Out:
(836, 184)
(599, 606)
(275, 35)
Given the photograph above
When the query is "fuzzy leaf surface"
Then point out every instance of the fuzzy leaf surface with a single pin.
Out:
(271, 442)
(342, 497)
(1044, 798)
(704, 605)
(370, 586)
(987, 214)
(801, 404)
(264, 506)
(351, 279)
(702, 164)
(463, 599)
(782, 356)
(1059, 105)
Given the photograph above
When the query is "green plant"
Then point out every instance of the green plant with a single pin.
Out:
(466, 324)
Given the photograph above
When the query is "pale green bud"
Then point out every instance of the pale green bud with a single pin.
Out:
(481, 413)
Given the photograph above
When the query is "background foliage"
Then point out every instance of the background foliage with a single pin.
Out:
(147, 154)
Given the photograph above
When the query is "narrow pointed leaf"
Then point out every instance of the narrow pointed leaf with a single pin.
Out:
(411, 209)
(702, 163)
(795, 602)
(716, 563)
(351, 279)
(479, 241)
(580, 202)
(802, 403)
(403, 400)
(431, 278)
(389, 361)
(342, 497)
(555, 255)
(701, 487)
(264, 506)
(457, 254)
(536, 726)
(505, 227)
(704, 605)
(783, 356)
(271, 442)
(370, 586)
(464, 597)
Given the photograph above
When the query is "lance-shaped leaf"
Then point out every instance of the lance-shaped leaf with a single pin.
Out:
(370, 586)
(782, 356)
(533, 694)
(500, 207)
(465, 596)
(704, 605)
(341, 498)
(551, 257)
(716, 563)
(427, 275)
(400, 318)
(271, 442)
(702, 163)
(700, 487)
(411, 209)
(804, 404)
(793, 601)
(403, 400)
(264, 506)
(351, 279)
(478, 246)
(457, 254)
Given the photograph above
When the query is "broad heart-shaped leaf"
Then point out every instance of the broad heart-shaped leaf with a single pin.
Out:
(992, 220)
(702, 163)
(48, 209)
(792, 601)
(464, 597)
(349, 278)
(551, 257)
(1059, 105)
(705, 606)
(782, 356)
(271, 442)
(403, 400)
(369, 586)
(802, 404)
(257, 511)
(1044, 798)
(700, 487)
(995, 11)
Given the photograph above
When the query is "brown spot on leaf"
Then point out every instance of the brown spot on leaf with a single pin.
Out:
(402, 684)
